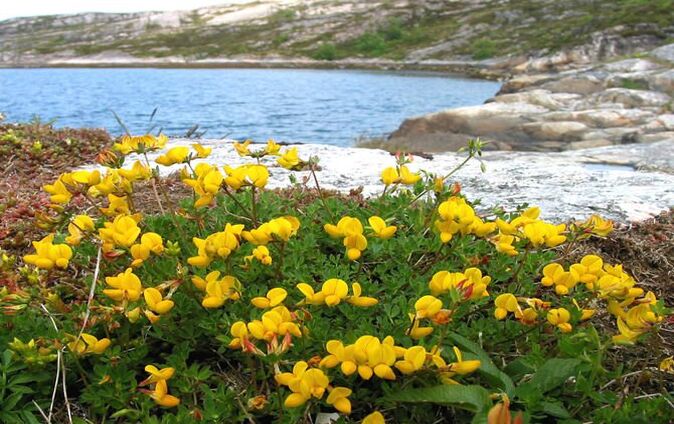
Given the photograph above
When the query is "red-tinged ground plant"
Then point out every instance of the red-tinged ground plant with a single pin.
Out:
(243, 305)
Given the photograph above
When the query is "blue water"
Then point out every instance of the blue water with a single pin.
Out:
(315, 106)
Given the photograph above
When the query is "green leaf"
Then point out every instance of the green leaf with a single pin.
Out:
(554, 409)
(553, 373)
(10, 402)
(487, 367)
(472, 398)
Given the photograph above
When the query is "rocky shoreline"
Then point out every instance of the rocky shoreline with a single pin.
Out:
(621, 102)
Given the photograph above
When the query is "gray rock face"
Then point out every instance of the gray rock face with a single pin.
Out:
(665, 53)
(628, 101)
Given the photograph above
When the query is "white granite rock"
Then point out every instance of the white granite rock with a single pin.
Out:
(625, 183)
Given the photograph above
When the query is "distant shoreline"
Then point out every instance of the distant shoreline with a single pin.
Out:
(454, 68)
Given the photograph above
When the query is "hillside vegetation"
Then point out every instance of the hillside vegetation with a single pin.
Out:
(340, 29)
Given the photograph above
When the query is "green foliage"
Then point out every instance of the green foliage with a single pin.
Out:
(326, 51)
(544, 370)
(483, 48)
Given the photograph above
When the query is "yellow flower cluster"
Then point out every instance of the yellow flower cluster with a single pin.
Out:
(457, 216)
(351, 230)
(333, 291)
(182, 154)
(206, 182)
(217, 290)
(470, 284)
(275, 323)
(249, 175)
(306, 383)
(369, 356)
(49, 255)
(276, 229)
(527, 226)
(270, 149)
(216, 245)
(140, 144)
(399, 175)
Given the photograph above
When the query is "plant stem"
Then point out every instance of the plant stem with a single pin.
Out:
(320, 193)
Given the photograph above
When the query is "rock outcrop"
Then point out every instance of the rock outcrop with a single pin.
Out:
(621, 102)
(625, 183)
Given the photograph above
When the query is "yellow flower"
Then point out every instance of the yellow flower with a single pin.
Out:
(560, 318)
(413, 361)
(462, 367)
(407, 177)
(390, 176)
(261, 253)
(333, 291)
(78, 227)
(174, 156)
(242, 148)
(380, 228)
(543, 233)
(290, 159)
(427, 306)
(272, 148)
(161, 397)
(277, 322)
(123, 232)
(589, 270)
(219, 291)
(280, 228)
(455, 216)
(358, 300)
(155, 301)
(116, 206)
(140, 144)
(202, 152)
(88, 344)
(239, 331)
(273, 298)
(59, 193)
(79, 179)
(504, 244)
(124, 286)
(470, 284)
(595, 224)
(374, 418)
(157, 375)
(138, 172)
(48, 255)
(149, 243)
(417, 332)
(220, 244)
(304, 383)
(246, 175)
(564, 281)
(201, 283)
(338, 397)
(506, 302)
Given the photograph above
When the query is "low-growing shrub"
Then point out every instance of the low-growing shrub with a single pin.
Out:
(241, 304)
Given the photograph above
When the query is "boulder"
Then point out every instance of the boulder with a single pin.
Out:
(544, 98)
(631, 66)
(663, 81)
(485, 119)
(665, 53)
(582, 83)
(629, 98)
(559, 130)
